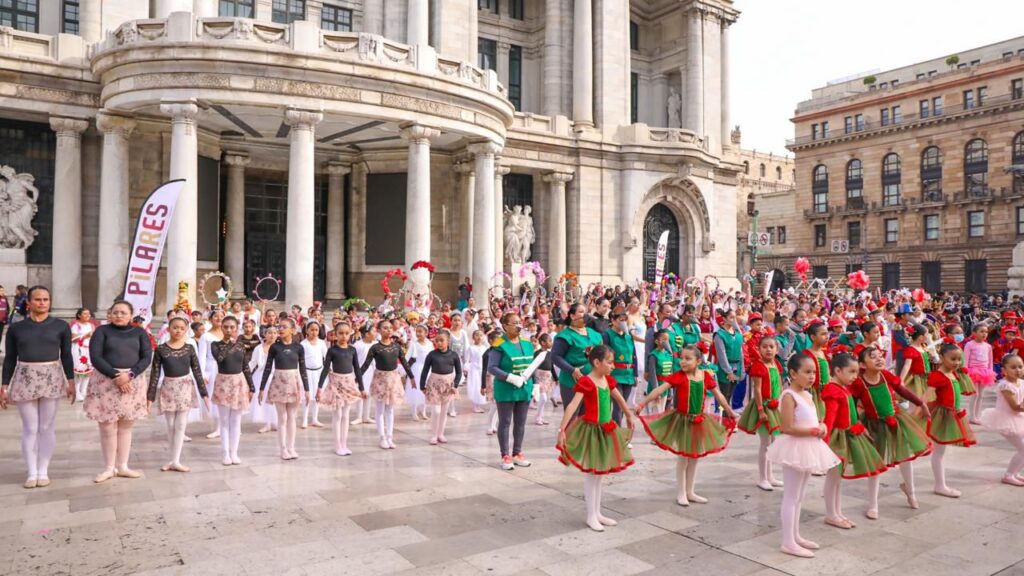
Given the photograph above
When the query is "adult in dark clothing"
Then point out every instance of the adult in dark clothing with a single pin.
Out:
(599, 321)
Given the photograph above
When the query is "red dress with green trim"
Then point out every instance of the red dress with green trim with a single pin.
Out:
(967, 387)
(896, 434)
(846, 435)
(920, 368)
(594, 443)
(771, 389)
(686, 430)
(949, 421)
(821, 378)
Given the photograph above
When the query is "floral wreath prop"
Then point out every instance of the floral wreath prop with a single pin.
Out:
(696, 287)
(357, 303)
(222, 294)
(266, 281)
(423, 264)
(707, 283)
(501, 287)
(535, 268)
(670, 279)
(569, 278)
(391, 273)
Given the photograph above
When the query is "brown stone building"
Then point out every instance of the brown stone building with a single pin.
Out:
(765, 176)
(907, 174)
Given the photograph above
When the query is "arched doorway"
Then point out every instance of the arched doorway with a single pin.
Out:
(778, 280)
(660, 218)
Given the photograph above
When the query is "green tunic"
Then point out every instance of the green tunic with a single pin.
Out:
(733, 351)
(687, 334)
(664, 365)
(514, 360)
(579, 345)
(622, 347)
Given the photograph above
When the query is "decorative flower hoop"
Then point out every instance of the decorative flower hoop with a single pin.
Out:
(357, 303)
(267, 282)
(222, 294)
(423, 264)
(707, 283)
(570, 278)
(535, 268)
(696, 287)
(390, 273)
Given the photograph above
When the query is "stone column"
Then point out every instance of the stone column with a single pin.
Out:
(373, 17)
(583, 63)
(336, 172)
(483, 217)
(206, 9)
(67, 215)
(234, 240)
(725, 137)
(693, 89)
(301, 206)
(552, 87)
(90, 20)
(113, 241)
(499, 214)
(183, 239)
(659, 103)
(502, 63)
(557, 224)
(466, 232)
(417, 23)
(417, 199)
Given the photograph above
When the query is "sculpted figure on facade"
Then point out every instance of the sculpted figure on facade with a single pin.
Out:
(529, 236)
(518, 233)
(675, 109)
(18, 198)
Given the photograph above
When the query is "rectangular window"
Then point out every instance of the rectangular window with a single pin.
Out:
(937, 106)
(975, 62)
(1008, 54)
(982, 95)
(976, 276)
(919, 76)
(491, 5)
(858, 120)
(634, 35)
(515, 76)
(782, 234)
(976, 224)
(819, 235)
(1020, 221)
(824, 129)
(891, 276)
(853, 234)
(516, 9)
(336, 19)
(848, 124)
(897, 114)
(884, 115)
(931, 227)
(968, 99)
(385, 198)
(883, 85)
(892, 230)
(771, 235)
(851, 268)
(236, 8)
(819, 272)
(931, 276)
(820, 202)
(69, 17)
(1017, 88)
(932, 73)
(891, 194)
(961, 66)
(487, 54)
(634, 97)
(923, 108)
(814, 131)
(895, 82)
(20, 14)
(288, 11)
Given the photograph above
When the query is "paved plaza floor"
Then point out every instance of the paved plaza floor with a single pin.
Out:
(449, 510)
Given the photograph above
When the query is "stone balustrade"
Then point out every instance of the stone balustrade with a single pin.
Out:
(60, 48)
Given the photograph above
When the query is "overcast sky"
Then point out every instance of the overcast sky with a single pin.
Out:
(781, 49)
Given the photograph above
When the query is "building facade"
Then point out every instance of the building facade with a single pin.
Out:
(765, 176)
(328, 142)
(909, 174)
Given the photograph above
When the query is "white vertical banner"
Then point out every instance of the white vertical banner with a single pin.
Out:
(659, 261)
(151, 232)
(768, 277)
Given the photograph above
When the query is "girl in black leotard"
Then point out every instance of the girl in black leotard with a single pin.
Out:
(116, 398)
(442, 371)
(233, 389)
(344, 385)
(286, 360)
(182, 377)
(38, 371)
(386, 386)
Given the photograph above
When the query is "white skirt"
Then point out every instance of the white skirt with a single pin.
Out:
(473, 386)
(413, 394)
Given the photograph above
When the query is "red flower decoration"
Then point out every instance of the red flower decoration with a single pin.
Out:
(773, 404)
(891, 421)
(961, 413)
(802, 266)
(423, 264)
(84, 359)
(698, 418)
(858, 280)
(857, 429)
(919, 295)
(609, 426)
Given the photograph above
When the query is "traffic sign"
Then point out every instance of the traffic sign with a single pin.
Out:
(759, 239)
(840, 246)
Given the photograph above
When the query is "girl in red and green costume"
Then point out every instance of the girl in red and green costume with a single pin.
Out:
(948, 424)
(847, 438)
(661, 363)
(818, 333)
(687, 431)
(761, 416)
(570, 348)
(594, 443)
(896, 435)
(917, 364)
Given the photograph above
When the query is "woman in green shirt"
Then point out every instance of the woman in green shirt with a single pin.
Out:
(570, 349)
(507, 360)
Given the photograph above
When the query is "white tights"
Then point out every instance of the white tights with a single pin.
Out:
(81, 386)
(37, 434)
(116, 442)
(542, 401)
(385, 420)
(976, 404)
(492, 417)
(834, 494)
(906, 471)
(363, 410)
(339, 424)
(286, 421)
(938, 468)
(440, 420)
(686, 478)
(230, 432)
(176, 422)
(792, 500)
(1017, 462)
(764, 468)
(311, 405)
(592, 498)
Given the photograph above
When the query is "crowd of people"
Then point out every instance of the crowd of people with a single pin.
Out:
(842, 384)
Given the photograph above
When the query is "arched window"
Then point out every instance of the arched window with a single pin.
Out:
(854, 184)
(778, 172)
(891, 179)
(819, 188)
(1018, 162)
(762, 171)
(976, 167)
(746, 167)
(931, 174)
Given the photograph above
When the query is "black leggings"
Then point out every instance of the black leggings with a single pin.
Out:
(625, 390)
(514, 414)
(567, 393)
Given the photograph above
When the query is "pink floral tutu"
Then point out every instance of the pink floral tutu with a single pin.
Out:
(104, 401)
(341, 389)
(387, 387)
(982, 376)
(178, 394)
(232, 391)
(35, 380)
(545, 380)
(439, 389)
(285, 387)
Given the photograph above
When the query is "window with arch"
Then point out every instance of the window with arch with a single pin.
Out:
(891, 179)
(976, 167)
(762, 171)
(819, 188)
(1018, 159)
(778, 172)
(931, 174)
(854, 184)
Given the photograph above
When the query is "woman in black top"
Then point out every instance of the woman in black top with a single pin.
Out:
(345, 388)
(442, 372)
(38, 371)
(386, 387)
(232, 389)
(116, 398)
(182, 384)
(286, 360)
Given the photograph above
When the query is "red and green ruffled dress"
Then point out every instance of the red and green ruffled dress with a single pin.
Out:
(846, 435)
(920, 368)
(967, 387)
(686, 430)
(949, 421)
(594, 443)
(771, 389)
(896, 434)
(821, 378)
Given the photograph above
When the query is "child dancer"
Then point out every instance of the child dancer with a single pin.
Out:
(819, 336)
(267, 412)
(800, 450)
(761, 416)
(846, 437)
(979, 363)
(233, 390)
(487, 387)
(287, 361)
(594, 443)
(386, 386)
(544, 378)
(209, 335)
(917, 362)
(179, 364)
(949, 421)
(896, 435)
(660, 364)
(368, 336)
(314, 349)
(1007, 418)
(474, 371)
(687, 431)
(417, 353)
(345, 387)
(441, 374)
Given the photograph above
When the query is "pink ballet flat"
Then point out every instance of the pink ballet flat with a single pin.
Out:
(798, 552)
(442, 439)
(1013, 481)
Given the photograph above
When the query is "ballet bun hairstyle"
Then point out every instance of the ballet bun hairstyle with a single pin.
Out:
(815, 326)
(692, 349)
(865, 353)
(573, 308)
(917, 331)
(946, 348)
(1008, 358)
(842, 360)
(796, 361)
(598, 353)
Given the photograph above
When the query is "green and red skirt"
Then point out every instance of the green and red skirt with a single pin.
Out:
(898, 438)
(949, 426)
(858, 455)
(819, 404)
(689, 435)
(967, 387)
(751, 423)
(596, 448)
(918, 384)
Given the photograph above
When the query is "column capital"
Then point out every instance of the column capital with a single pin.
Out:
(302, 119)
(418, 133)
(237, 159)
(558, 177)
(109, 122)
(180, 110)
(484, 148)
(501, 169)
(464, 167)
(336, 168)
(68, 126)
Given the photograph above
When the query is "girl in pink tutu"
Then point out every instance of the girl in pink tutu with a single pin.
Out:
(287, 362)
(344, 385)
(233, 389)
(177, 362)
(439, 378)
(801, 450)
(386, 387)
(1007, 418)
(979, 364)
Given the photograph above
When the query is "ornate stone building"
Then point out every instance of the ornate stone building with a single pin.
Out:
(329, 141)
(915, 174)
(764, 176)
